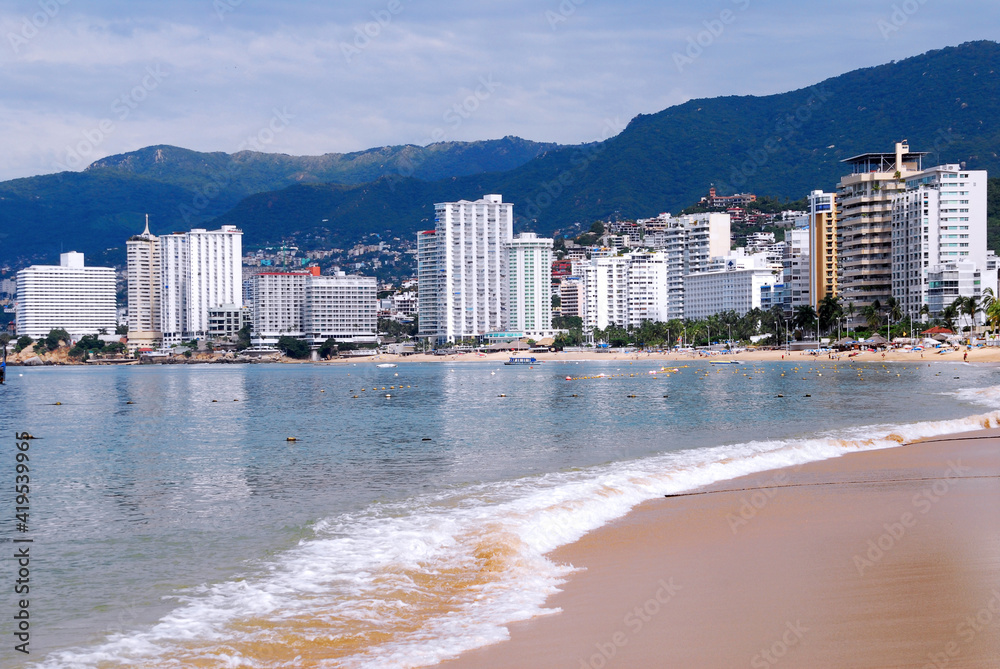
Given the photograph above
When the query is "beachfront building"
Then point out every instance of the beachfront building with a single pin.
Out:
(199, 270)
(648, 298)
(689, 244)
(529, 273)
(939, 238)
(864, 225)
(279, 298)
(314, 308)
(735, 286)
(463, 283)
(143, 272)
(571, 296)
(69, 295)
(341, 307)
(226, 320)
(796, 268)
(822, 220)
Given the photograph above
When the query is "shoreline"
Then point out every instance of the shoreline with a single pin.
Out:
(875, 558)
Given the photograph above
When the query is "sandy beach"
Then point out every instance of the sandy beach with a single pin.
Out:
(887, 558)
(980, 355)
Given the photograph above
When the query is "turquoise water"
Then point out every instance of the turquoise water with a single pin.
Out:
(184, 530)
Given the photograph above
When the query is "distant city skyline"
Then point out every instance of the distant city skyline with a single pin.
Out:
(81, 81)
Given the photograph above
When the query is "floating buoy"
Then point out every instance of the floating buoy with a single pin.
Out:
(426, 439)
(808, 395)
(501, 395)
(236, 400)
(631, 395)
(215, 400)
(322, 390)
(779, 395)
(130, 402)
(291, 439)
(575, 395)
(355, 397)
(387, 395)
(58, 404)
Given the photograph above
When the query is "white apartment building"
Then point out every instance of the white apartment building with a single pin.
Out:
(948, 281)
(529, 273)
(938, 229)
(463, 283)
(647, 288)
(737, 287)
(605, 283)
(797, 267)
(199, 270)
(315, 308)
(144, 281)
(279, 300)
(342, 307)
(79, 299)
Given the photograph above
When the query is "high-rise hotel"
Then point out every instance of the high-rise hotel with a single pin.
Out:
(464, 288)
(69, 295)
(175, 280)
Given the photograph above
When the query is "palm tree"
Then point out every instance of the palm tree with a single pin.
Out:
(804, 316)
(969, 306)
(873, 316)
(993, 314)
(948, 316)
(829, 311)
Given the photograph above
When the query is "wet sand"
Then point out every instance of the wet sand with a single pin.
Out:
(886, 558)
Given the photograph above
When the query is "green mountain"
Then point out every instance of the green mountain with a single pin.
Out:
(179, 188)
(946, 102)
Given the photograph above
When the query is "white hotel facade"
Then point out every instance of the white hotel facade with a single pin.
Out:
(200, 270)
(529, 275)
(464, 285)
(68, 295)
(939, 239)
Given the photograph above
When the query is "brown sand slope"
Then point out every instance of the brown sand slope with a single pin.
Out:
(877, 559)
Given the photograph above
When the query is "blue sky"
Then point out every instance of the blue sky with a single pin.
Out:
(80, 80)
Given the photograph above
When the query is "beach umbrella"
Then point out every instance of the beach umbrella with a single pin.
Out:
(877, 339)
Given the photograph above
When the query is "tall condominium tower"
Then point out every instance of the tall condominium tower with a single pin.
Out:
(864, 225)
(939, 225)
(143, 260)
(464, 252)
(199, 270)
(79, 299)
(822, 246)
(529, 272)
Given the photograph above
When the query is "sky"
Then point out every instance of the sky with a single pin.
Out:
(85, 79)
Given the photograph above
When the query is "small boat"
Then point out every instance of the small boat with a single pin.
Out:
(385, 365)
(724, 362)
(522, 361)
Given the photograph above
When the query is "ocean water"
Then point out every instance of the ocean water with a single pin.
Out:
(411, 517)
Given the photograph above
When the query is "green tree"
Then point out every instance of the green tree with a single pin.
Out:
(328, 348)
(804, 317)
(243, 337)
(23, 342)
(55, 337)
(293, 348)
(948, 316)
